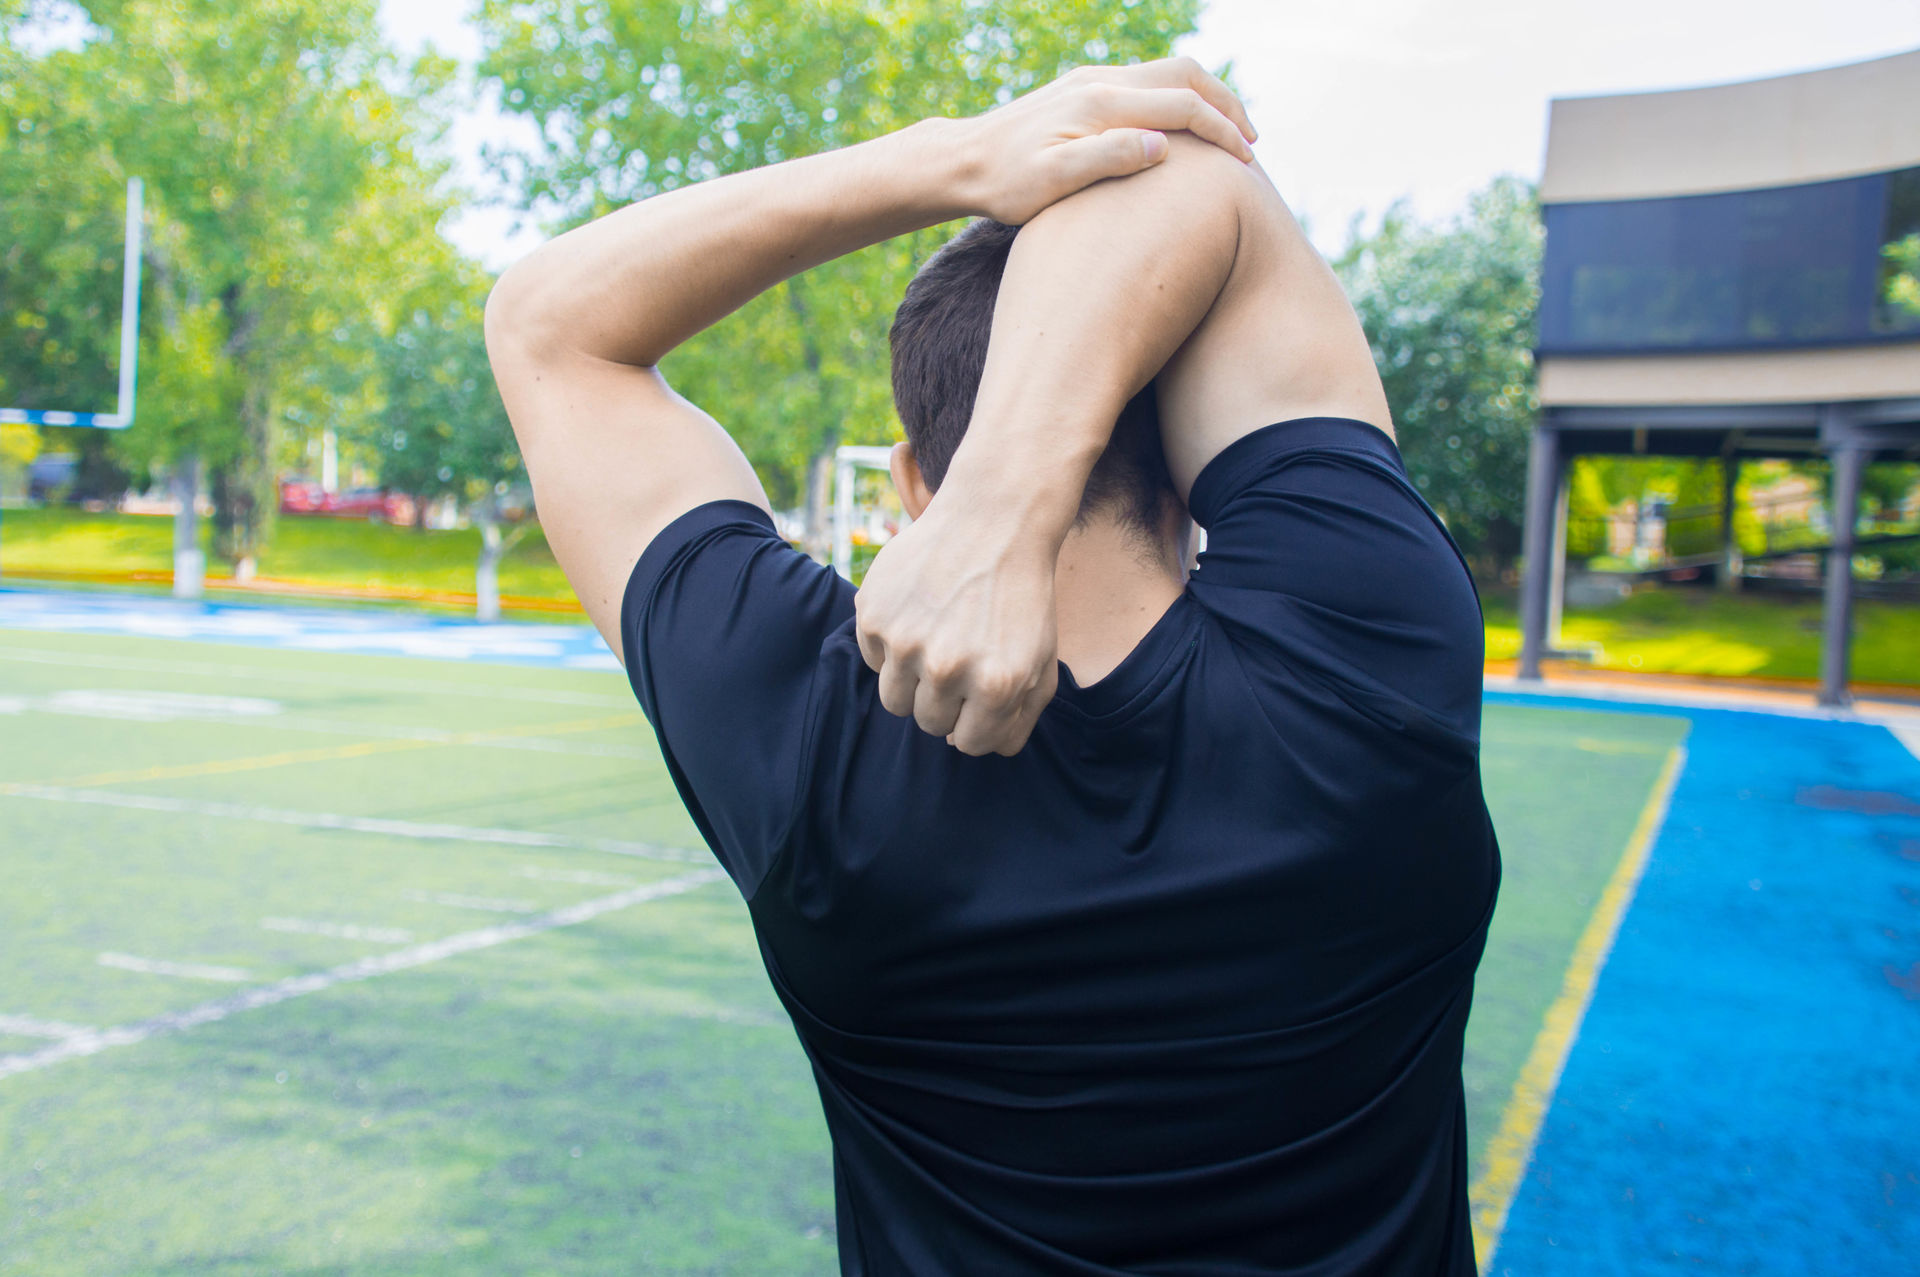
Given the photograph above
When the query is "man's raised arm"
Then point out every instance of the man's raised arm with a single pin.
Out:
(575, 330)
(1194, 272)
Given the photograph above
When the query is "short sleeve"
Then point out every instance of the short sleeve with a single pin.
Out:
(1322, 556)
(723, 624)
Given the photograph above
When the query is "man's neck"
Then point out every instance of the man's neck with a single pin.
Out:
(1108, 593)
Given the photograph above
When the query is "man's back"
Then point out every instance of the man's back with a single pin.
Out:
(1181, 986)
(1177, 985)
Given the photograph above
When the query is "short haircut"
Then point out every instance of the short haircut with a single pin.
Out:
(939, 342)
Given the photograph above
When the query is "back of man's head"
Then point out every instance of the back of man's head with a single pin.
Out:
(939, 341)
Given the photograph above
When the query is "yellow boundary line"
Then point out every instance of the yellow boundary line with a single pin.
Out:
(359, 749)
(1491, 1196)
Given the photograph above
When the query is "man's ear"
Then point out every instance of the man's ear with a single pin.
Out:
(908, 481)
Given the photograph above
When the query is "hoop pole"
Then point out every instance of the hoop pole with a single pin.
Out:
(130, 302)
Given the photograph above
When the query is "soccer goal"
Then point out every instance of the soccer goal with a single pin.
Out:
(866, 509)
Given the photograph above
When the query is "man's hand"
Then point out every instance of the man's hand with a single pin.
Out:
(957, 616)
(1094, 123)
(1100, 291)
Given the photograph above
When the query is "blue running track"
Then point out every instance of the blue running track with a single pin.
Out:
(1744, 1095)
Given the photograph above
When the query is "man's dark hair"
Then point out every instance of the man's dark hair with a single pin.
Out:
(939, 341)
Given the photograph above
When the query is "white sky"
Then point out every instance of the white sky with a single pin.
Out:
(1361, 102)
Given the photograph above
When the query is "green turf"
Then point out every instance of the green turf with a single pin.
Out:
(1566, 788)
(1701, 631)
(618, 1096)
(339, 553)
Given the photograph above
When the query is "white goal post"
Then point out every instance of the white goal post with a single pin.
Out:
(122, 415)
(848, 461)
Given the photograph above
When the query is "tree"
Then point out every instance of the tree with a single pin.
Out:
(1450, 311)
(635, 97)
(288, 204)
(442, 430)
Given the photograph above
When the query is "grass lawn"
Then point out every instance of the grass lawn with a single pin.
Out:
(623, 1095)
(1701, 631)
(319, 551)
(1672, 630)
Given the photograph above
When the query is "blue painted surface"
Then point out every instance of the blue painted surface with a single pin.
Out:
(1744, 1096)
(366, 631)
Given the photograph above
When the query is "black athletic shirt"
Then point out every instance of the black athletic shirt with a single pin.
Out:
(1179, 989)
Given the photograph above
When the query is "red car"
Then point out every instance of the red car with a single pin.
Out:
(303, 496)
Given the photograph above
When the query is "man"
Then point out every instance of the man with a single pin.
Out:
(1147, 946)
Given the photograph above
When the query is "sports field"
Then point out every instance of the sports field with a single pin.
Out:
(315, 962)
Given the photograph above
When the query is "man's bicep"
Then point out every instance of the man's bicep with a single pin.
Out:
(1280, 343)
(614, 456)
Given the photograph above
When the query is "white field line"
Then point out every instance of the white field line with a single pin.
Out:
(185, 970)
(93, 1042)
(485, 904)
(103, 708)
(1908, 736)
(581, 877)
(441, 736)
(337, 930)
(27, 1026)
(226, 671)
(432, 832)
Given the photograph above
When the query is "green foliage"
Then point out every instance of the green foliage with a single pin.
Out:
(1902, 274)
(442, 429)
(1692, 490)
(1450, 311)
(291, 219)
(1587, 511)
(635, 97)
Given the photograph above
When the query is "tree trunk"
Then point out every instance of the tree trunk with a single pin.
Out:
(189, 563)
(817, 532)
(486, 577)
(248, 498)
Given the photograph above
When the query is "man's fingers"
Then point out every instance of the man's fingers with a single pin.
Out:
(872, 650)
(1171, 109)
(897, 688)
(1174, 73)
(1115, 153)
(983, 730)
(1223, 100)
(935, 709)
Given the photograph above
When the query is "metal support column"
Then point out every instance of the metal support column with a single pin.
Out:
(1731, 564)
(1536, 546)
(1837, 637)
(1557, 561)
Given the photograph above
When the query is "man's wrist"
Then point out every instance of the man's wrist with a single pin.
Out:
(941, 157)
(1007, 491)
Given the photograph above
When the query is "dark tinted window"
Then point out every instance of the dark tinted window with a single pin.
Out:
(1823, 263)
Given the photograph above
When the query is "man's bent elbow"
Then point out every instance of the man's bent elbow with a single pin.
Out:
(506, 319)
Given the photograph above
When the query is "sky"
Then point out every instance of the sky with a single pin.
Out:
(1361, 103)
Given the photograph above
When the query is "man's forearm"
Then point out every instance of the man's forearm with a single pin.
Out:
(634, 284)
(1100, 290)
